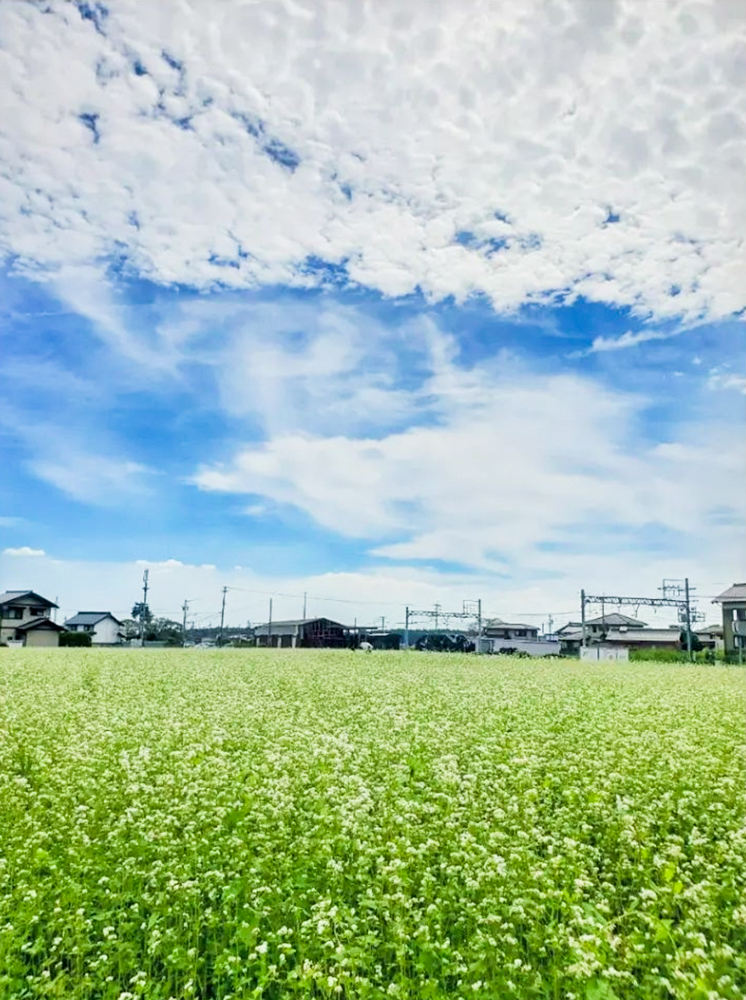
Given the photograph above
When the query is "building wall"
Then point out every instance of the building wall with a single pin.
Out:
(106, 632)
(732, 610)
(533, 647)
(42, 637)
(615, 654)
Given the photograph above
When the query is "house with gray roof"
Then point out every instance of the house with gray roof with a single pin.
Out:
(102, 626)
(25, 618)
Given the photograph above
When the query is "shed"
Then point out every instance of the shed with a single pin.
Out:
(314, 633)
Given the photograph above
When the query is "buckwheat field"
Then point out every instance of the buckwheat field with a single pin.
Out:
(245, 824)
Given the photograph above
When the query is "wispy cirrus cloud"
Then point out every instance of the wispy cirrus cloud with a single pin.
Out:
(626, 340)
(721, 377)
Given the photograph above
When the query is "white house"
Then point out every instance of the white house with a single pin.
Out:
(102, 626)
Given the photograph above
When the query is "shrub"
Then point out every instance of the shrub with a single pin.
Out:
(75, 639)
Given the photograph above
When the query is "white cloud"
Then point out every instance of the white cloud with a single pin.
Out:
(314, 366)
(721, 378)
(11, 522)
(24, 550)
(628, 339)
(93, 479)
(519, 150)
(85, 290)
(504, 460)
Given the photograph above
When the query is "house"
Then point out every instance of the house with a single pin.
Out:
(305, 632)
(102, 626)
(615, 631)
(613, 622)
(710, 636)
(733, 603)
(24, 617)
(497, 629)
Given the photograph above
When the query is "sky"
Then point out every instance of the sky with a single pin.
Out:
(387, 304)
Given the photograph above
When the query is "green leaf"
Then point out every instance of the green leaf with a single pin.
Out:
(600, 989)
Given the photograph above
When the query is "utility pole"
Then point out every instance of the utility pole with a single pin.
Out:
(144, 611)
(184, 608)
(269, 624)
(222, 617)
(305, 602)
(479, 625)
(688, 614)
(582, 617)
(406, 628)
(437, 612)
(551, 625)
(383, 623)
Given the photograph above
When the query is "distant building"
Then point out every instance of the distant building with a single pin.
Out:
(24, 617)
(302, 632)
(733, 603)
(617, 630)
(102, 626)
(497, 629)
(710, 636)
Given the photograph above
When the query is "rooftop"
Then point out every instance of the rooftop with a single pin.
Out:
(291, 623)
(615, 618)
(669, 635)
(90, 618)
(736, 592)
(14, 595)
(41, 622)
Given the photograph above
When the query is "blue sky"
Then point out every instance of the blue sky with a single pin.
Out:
(475, 329)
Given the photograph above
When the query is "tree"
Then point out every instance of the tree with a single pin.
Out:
(163, 630)
(143, 615)
(696, 641)
(130, 629)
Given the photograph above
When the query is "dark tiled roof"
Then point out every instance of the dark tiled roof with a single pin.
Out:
(90, 618)
(13, 595)
(735, 593)
(615, 618)
(40, 623)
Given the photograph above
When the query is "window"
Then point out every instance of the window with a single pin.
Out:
(38, 612)
(13, 613)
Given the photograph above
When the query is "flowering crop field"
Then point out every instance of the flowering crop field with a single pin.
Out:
(255, 823)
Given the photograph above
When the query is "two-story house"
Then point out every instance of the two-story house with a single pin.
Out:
(24, 617)
(102, 626)
(733, 603)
